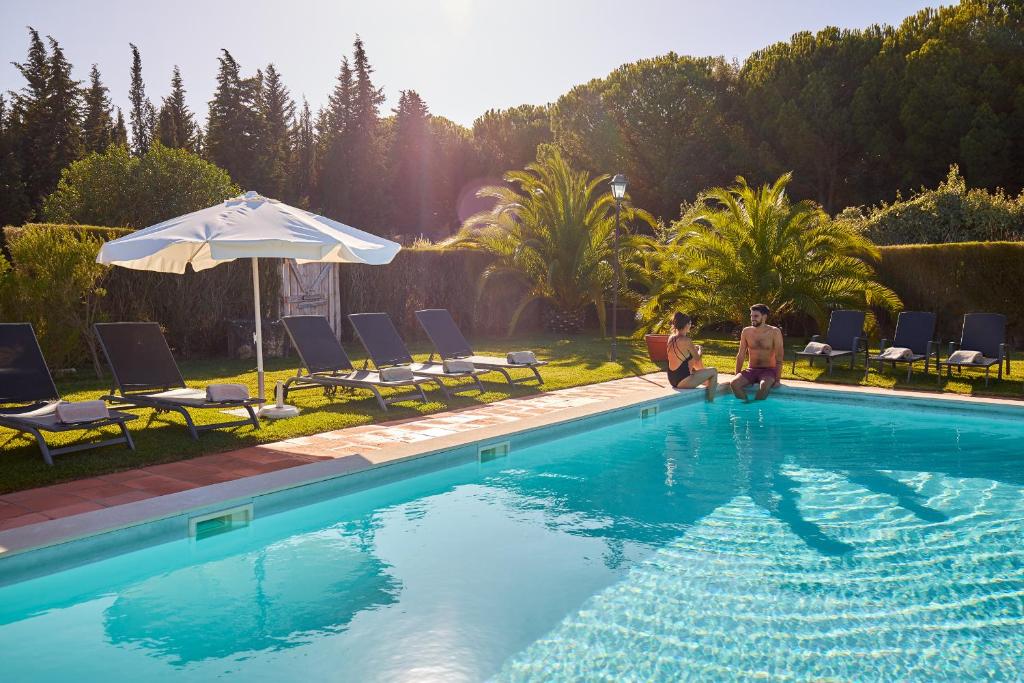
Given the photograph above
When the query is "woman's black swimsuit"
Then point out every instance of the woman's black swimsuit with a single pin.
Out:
(679, 374)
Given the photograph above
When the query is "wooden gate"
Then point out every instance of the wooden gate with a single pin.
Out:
(311, 289)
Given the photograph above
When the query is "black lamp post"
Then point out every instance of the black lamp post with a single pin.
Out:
(618, 192)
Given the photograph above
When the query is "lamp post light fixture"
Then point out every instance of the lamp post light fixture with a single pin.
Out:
(618, 184)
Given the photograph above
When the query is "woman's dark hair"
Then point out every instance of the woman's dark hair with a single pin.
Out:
(680, 320)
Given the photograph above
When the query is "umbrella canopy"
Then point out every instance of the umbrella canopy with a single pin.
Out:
(250, 226)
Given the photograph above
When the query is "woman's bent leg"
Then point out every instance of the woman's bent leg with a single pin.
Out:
(705, 375)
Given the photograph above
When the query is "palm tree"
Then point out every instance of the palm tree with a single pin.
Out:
(550, 231)
(740, 245)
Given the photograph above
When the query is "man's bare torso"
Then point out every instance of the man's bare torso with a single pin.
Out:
(761, 350)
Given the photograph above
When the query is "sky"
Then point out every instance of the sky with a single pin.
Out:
(463, 57)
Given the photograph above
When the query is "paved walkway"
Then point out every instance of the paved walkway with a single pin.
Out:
(95, 493)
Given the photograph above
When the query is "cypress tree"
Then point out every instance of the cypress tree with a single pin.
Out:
(34, 143)
(64, 112)
(410, 166)
(276, 146)
(176, 126)
(119, 134)
(302, 169)
(98, 126)
(14, 207)
(366, 160)
(142, 114)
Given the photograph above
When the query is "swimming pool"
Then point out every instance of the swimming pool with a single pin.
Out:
(794, 538)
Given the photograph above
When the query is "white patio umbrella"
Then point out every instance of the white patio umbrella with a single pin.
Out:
(250, 226)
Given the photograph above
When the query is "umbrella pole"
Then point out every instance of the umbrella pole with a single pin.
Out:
(259, 328)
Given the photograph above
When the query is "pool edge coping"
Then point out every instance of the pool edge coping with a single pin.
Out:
(213, 497)
(210, 498)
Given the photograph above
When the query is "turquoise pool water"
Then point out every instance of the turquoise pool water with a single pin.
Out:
(791, 539)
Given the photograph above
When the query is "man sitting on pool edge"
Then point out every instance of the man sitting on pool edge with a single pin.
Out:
(762, 344)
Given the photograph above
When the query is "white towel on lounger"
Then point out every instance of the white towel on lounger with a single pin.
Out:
(817, 347)
(71, 412)
(398, 373)
(219, 393)
(521, 357)
(457, 365)
(897, 353)
(965, 357)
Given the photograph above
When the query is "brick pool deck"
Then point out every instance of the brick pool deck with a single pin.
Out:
(368, 442)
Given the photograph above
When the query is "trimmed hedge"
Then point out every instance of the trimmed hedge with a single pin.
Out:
(195, 309)
(432, 278)
(953, 279)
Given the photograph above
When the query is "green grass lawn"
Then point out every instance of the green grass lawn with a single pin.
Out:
(574, 362)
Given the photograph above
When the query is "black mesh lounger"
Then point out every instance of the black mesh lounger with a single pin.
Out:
(985, 333)
(386, 348)
(846, 337)
(328, 366)
(25, 381)
(915, 330)
(446, 337)
(146, 376)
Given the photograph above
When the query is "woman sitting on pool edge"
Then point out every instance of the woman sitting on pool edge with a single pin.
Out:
(685, 366)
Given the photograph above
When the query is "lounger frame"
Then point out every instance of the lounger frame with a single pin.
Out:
(841, 325)
(388, 350)
(915, 330)
(328, 375)
(449, 343)
(984, 332)
(17, 417)
(139, 394)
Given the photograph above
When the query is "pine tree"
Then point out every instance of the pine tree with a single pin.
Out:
(98, 126)
(64, 112)
(176, 127)
(119, 134)
(333, 145)
(276, 146)
(410, 173)
(352, 172)
(302, 169)
(235, 124)
(142, 114)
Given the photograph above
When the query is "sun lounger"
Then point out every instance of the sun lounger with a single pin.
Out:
(29, 398)
(845, 336)
(328, 367)
(386, 349)
(449, 342)
(146, 376)
(984, 333)
(915, 330)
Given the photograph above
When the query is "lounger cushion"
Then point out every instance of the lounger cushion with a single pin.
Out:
(73, 412)
(965, 357)
(397, 373)
(220, 393)
(188, 397)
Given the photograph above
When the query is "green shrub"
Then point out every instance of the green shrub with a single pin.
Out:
(433, 278)
(56, 284)
(116, 188)
(953, 279)
(949, 213)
